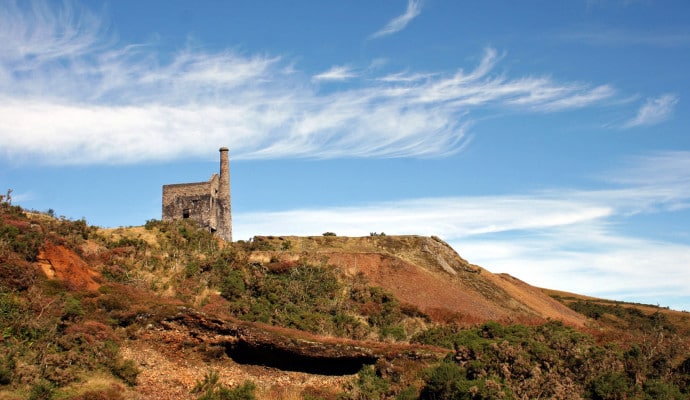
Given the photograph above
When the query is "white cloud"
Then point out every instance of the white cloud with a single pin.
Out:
(406, 77)
(68, 96)
(654, 111)
(663, 168)
(452, 217)
(38, 32)
(414, 8)
(336, 73)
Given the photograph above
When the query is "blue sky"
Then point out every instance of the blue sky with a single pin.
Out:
(548, 140)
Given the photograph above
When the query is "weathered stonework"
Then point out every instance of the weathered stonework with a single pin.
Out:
(207, 203)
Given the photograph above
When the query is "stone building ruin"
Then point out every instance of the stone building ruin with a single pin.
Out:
(206, 203)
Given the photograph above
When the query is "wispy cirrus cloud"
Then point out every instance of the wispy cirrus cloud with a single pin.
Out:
(414, 8)
(560, 238)
(655, 110)
(406, 77)
(37, 32)
(667, 168)
(336, 73)
(70, 95)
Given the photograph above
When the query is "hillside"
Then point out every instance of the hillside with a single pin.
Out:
(425, 272)
(167, 311)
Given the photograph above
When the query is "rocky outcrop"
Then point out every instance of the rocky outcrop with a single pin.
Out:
(281, 348)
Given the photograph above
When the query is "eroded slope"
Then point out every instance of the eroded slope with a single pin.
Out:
(428, 273)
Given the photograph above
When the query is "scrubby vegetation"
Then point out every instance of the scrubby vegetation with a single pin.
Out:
(551, 361)
(52, 336)
(57, 338)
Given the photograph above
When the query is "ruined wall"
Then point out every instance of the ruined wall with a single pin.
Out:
(207, 203)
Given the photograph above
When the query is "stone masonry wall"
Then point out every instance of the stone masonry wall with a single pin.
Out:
(207, 203)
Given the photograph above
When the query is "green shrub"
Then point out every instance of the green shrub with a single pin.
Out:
(260, 243)
(42, 390)
(138, 244)
(127, 371)
(367, 386)
(655, 389)
(72, 309)
(396, 332)
(448, 381)
(245, 391)
(349, 326)
(211, 389)
(115, 273)
(492, 330)
(233, 286)
(20, 238)
(191, 269)
(442, 382)
(153, 223)
(10, 308)
(7, 366)
(409, 393)
(609, 386)
(452, 336)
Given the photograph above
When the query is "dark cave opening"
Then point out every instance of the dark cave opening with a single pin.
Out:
(267, 355)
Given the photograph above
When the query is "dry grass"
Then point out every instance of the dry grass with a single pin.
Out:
(134, 232)
(98, 384)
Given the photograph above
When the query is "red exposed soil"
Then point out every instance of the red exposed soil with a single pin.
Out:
(536, 299)
(59, 262)
(417, 286)
(467, 297)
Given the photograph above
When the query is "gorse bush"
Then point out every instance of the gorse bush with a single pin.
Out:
(546, 361)
(126, 370)
(210, 388)
(310, 297)
(41, 391)
(368, 385)
(232, 286)
(304, 298)
(625, 316)
(20, 237)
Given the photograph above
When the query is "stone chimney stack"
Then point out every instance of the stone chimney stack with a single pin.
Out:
(224, 209)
